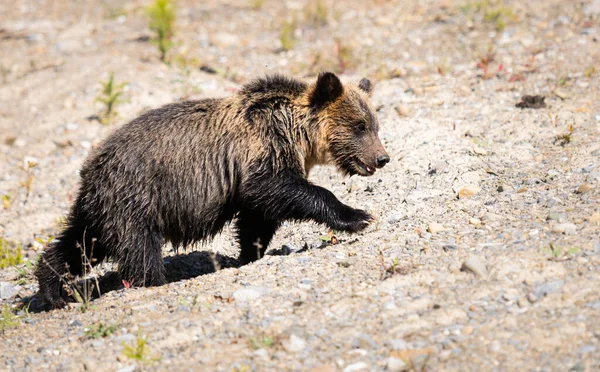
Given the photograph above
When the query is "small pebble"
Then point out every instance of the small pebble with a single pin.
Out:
(480, 151)
(584, 187)
(397, 344)
(355, 367)
(587, 349)
(435, 228)
(294, 344)
(261, 353)
(131, 368)
(250, 293)
(468, 191)
(71, 126)
(531, 297)
(396, 364)
(475, 222)
(323, 368)
(549, 287)
(467, 330)
(558, 217)
(565, 228)
(438, 167)
(474, 265)
(8, 290)
(522, 302)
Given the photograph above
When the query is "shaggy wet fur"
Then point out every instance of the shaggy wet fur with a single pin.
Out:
(181, 172)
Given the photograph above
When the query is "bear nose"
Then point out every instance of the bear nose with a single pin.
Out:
(382, 160)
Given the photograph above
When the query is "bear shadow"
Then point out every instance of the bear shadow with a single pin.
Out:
(178, 267)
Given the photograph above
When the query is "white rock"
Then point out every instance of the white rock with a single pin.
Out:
(435, 228)
(475, 222)
(474, 265)
(249, 293)
(593, 8)
(396, 365)
(447, 317)
(8, 290)
(261, 353)
(295, 344)
(131, 368)
(467, 191)
(354, 367)
(564, 228)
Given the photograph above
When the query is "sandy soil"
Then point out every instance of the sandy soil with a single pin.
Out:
(441, 282)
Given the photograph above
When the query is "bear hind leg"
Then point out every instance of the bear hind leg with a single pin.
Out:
(139, 258)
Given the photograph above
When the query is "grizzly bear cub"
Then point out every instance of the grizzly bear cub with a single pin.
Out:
(181, 172)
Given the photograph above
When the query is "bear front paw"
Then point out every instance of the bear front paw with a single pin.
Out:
(353, 220)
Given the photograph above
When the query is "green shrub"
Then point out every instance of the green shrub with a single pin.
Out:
(162, 21)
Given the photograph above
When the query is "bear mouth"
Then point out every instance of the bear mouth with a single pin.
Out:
(363, 169)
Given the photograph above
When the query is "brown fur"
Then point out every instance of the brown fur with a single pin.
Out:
(181, 172)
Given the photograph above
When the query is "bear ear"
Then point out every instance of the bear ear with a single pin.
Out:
(327, 89)
(366, 86)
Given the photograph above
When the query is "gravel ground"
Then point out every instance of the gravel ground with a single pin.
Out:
(486, 253)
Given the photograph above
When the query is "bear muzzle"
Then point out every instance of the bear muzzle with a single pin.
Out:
(382, 160)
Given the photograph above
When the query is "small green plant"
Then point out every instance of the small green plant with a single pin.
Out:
(257, 4)
(100, 330)
(162, 21)
(499, 16)
(562, 80)
(26, 272)
(139, 350)
(392, 269)
(590, 72)
(565, 138)
(558, 253)
(80, 290)
(29, 167)
(11, 254)
(315, 13)
(493, 11)
(6, 201)
(330, 238)
(261, 342)
(110, 97)
(286, 36)
(416, 360)
(7, 319)
(445, 67)
(83, 291)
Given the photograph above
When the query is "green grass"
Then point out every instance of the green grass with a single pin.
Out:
(26, 271)
(11, 254)
(565, 138)
(162, 21)
(262, 342)
(558, 253)
(6, 201)
(100, 330)
(316, 13)
(286, 35)
(493, 11)
(257, 4)
(110, 96)
(139, 350)
(7, 319)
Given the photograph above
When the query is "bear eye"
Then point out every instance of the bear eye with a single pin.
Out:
(362, 127)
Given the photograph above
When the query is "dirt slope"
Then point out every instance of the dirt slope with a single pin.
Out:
(393, 298)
